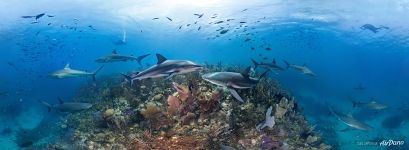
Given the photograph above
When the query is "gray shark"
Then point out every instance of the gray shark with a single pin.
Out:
(360, 87)
(115, 57)
(372, 28)
(233, 80)
(371, 105)
(272, 66)
(350, 121)
(165, 68)
(303, 69)
(68, 72)
(67, 106)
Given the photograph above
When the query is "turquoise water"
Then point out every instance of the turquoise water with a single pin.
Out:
(325, 36)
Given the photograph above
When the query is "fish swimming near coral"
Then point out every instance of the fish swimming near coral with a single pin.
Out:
(115, 57)
(233, 80)
(372, 28)
(303, 69)
(272, 66)
(350, 121)
(269, 122)
(67, 106)
(67, 72)
(166, 68)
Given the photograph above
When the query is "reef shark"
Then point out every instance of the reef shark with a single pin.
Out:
(350, 121)
(272, 66)
(67, 106)
(372, 28)
(165, 68)
(68, 72)
(371, 105)
(115, 57)
(359, 87)
(303, 69)
(233, 80)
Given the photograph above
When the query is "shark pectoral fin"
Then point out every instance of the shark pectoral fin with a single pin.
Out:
(235, 94)
(47, 105)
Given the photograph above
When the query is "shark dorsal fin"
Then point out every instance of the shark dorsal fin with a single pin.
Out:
(246, 72)
(60, 100)
(114, 51)
(160, 58)
(67, 66)
(274, 61)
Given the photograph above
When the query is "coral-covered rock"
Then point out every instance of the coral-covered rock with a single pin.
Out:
(173, 105)
(151, 111)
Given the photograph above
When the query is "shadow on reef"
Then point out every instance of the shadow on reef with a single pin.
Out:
(187, 112)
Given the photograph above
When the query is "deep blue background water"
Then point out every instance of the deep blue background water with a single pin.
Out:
(341, 54)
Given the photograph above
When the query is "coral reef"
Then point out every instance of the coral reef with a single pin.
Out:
(189, 113)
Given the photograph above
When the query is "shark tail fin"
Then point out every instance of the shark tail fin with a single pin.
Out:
(255, 63)
(129, 78)
(96, 71)
(140, 58)
(287, 64)
(46, 104)
(383, 27)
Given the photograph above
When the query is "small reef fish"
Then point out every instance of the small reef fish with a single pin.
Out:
(303, 69)
(36, 16)
(233, 80)
(169, 19)
(199, 15)
(223, 31)
(115, 57)
(350, 121)
(67, 72)
(372, 28)
(269, 122)
(154, 18)
(166, 68)
(67, 106)
(272, 66)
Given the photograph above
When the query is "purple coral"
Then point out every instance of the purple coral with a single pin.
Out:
(269, 122)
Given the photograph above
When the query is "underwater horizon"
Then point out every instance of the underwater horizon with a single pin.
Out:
(214, 74)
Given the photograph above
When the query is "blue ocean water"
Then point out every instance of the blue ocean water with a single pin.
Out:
(327, 39)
